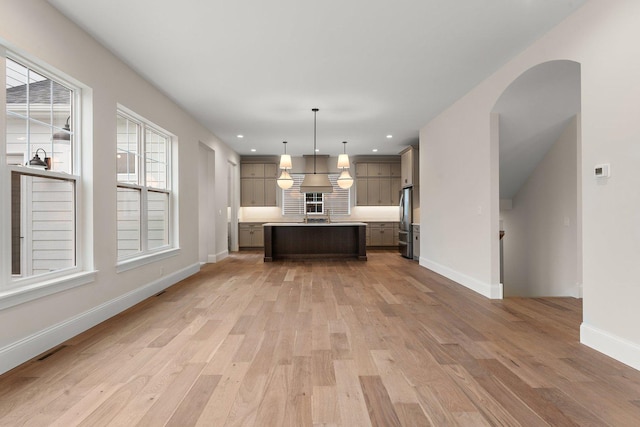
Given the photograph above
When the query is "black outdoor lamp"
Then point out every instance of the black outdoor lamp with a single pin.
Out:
(39, 163)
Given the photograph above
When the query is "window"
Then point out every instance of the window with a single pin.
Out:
(296, 203)
(43, 205)
(144, 190)
(314, 203)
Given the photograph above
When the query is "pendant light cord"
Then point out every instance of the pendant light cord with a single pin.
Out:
(315, 112)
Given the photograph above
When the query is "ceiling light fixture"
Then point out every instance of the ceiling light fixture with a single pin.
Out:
(315, 183)
(389, 136)
(344, 180)
(285, 181)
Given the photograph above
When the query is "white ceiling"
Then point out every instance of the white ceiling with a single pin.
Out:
(372, 67)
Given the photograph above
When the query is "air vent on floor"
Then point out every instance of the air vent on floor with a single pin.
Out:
(52, 352)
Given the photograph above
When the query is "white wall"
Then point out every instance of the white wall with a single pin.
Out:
(540, 242)
(35, 30)
(459, 215)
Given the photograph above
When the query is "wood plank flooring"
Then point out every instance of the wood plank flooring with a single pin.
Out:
(325, 343)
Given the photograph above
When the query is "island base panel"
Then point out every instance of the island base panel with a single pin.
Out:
(296, 242)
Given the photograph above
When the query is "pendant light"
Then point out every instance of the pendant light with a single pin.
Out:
(285, 181)
(344, 180)
(315, 183)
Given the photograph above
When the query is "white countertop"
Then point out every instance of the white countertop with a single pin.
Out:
(312, 224)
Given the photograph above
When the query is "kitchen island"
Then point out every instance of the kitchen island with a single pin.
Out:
(292, 240)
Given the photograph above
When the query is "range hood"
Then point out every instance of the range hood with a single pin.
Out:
(316, 178)
(316, 183)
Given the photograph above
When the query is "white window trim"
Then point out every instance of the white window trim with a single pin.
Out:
(33, 291)
(148, 256)
(21, 290)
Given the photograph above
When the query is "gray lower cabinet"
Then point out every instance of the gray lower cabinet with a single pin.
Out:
(382, 234)
(250, 235)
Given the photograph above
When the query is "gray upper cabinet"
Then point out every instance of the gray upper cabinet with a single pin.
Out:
(377, 183)
(409, 167)
(258, 184)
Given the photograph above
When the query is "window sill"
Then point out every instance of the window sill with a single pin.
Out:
(130, 264)
(34, 291)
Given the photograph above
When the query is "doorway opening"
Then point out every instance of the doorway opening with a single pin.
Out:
(538, 133)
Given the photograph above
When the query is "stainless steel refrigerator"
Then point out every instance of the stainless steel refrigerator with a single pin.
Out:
(405, 238)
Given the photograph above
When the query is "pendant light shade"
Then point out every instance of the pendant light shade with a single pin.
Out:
(343, 161)
(345, 180)
(285, 181)
(315, 183)
(285, 159)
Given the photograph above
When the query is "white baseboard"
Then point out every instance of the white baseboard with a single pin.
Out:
(613, 346)
(27, 348)
(218, 257)
(485, 289)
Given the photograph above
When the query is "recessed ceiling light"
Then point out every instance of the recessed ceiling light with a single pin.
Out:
(317, 150)
(389, 136)
(253, 150)
(240, 136)
(375, 150)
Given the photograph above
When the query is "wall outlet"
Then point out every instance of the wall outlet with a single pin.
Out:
(602, 171)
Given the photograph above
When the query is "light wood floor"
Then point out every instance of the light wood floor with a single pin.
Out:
(326, 343)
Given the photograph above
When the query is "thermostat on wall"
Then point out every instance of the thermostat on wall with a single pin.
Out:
(601, 171)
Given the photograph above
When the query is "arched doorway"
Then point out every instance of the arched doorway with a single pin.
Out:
(539, 150)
